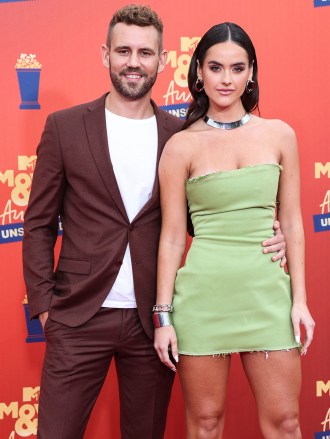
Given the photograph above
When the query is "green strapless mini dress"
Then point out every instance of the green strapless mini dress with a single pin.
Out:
(229, 296)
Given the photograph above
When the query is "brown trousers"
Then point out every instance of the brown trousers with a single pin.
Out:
(75, 367)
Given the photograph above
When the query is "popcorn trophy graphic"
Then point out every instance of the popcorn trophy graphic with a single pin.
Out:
(28, 73)
(34, 328)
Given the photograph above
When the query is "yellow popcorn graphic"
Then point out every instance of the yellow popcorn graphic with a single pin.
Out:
(27, 62)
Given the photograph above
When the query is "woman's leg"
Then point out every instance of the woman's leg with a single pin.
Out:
(204, 385)
(275, 379)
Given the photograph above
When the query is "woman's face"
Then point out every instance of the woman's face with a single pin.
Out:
(225, 72)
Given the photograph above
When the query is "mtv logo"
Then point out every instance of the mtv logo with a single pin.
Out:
(26, 163)
(30, 393)
(318, 3)
(188, 44)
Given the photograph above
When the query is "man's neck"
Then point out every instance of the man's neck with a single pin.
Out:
(138, 109)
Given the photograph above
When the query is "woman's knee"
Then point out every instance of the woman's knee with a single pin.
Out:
(284, 425)
(208, 426)
(289, 424)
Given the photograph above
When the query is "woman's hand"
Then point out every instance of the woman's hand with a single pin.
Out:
(276, 244)
(301, 315)
(165, 340)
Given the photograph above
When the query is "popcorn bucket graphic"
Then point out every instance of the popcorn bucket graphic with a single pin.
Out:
(28, 80)
(28, 73)
(34, 328)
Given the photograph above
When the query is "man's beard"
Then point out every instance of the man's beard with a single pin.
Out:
(132, 90)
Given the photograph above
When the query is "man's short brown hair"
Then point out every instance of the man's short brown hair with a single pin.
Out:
(138, 15)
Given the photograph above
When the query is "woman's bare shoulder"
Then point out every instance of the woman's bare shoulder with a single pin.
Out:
(276, 128)
(274, 124)
(183, 141)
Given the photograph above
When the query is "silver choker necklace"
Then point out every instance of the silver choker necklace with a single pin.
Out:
(227, 125)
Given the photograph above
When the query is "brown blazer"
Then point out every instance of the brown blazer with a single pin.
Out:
(74, 179)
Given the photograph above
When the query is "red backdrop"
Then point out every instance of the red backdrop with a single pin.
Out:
(291, 39)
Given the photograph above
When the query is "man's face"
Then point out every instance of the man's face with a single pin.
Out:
(133, 59)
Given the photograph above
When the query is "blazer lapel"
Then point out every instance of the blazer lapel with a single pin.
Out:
(98, 142)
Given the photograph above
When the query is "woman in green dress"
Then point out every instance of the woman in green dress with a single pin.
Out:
(231, 168)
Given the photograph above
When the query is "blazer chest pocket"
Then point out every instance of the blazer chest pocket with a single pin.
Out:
(73, 266)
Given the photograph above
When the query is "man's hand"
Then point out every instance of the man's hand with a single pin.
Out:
(43, 317)
(276, 244)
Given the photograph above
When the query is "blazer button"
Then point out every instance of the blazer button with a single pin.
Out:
(119, 262)
(131, 227)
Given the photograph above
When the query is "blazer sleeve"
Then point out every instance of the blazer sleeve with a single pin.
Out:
(41, 220)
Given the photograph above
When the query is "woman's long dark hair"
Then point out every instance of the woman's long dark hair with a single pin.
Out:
(220, 33)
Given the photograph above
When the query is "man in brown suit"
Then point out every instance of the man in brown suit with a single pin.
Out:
(97, 170)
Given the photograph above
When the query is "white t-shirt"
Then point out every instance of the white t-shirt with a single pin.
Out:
(133, 145)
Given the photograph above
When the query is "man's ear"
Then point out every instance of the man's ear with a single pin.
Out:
(162, 60)
(105, 53)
